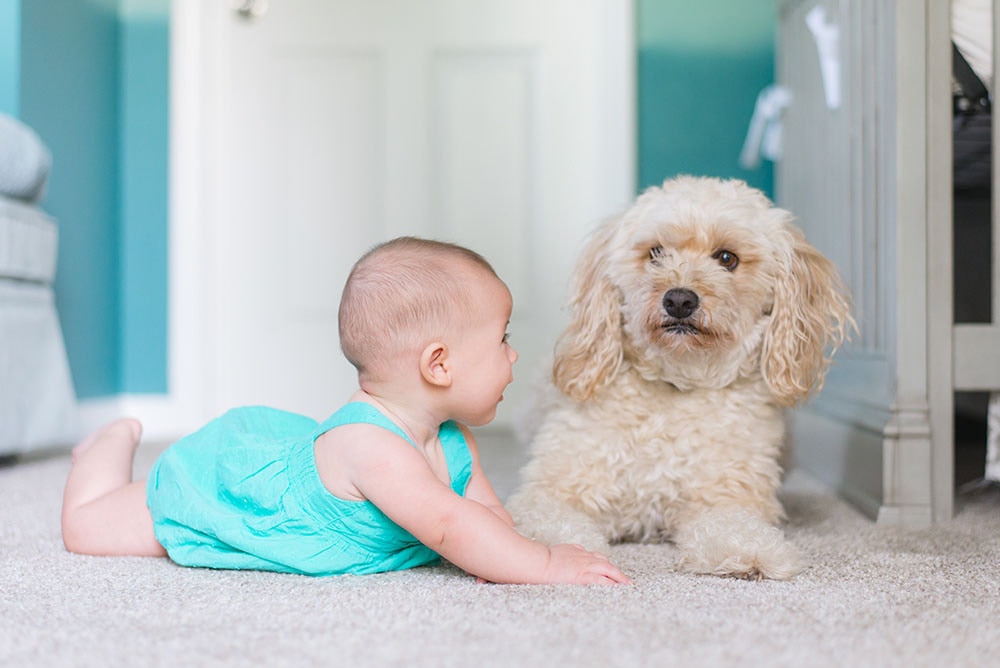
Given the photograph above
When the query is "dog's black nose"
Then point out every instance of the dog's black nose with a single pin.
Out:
(680, 302)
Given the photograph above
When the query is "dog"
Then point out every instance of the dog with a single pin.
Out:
(696, 318)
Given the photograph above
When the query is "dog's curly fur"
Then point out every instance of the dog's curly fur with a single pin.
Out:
(697, 317)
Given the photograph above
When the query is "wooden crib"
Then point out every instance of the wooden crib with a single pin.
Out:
(869, 173)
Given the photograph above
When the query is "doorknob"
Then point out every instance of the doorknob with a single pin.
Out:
(250, 9)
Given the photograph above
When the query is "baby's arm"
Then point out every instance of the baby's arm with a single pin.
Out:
(479, 488)
(397, 479)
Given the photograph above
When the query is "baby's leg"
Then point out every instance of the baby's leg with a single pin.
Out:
(104, 512)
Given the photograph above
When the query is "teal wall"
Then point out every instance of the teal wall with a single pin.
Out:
(92, 81)
(69, 84)
(700, 67)
(143, 159)
(10, 49)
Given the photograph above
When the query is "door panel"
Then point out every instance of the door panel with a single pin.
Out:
(331, 125)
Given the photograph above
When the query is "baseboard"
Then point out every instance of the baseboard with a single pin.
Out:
(907, 517)
(163, 417)
(844, 456)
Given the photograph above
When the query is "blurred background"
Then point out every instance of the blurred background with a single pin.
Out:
(96, 80)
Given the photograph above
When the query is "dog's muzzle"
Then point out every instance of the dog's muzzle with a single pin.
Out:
(680, 304)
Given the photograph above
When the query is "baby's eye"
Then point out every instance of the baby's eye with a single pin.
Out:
(506, 337)
(727, 259)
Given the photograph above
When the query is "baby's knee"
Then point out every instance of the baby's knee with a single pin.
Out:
(82, 533)
(75, 537)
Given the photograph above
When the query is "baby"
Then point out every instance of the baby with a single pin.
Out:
(391, 481)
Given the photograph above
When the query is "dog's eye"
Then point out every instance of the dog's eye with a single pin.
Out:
(727, 259)
(655, 254)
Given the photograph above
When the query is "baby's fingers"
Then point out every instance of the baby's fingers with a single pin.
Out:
(609, 573)
(605, 580)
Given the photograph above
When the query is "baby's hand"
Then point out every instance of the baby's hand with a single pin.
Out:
(572, 564)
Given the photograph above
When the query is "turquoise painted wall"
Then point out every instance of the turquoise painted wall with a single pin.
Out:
(700, 67)
(93, 84)
(143, 158)
(69, 94)
(10, 58)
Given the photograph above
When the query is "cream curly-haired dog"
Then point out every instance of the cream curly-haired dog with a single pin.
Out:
(698, 316)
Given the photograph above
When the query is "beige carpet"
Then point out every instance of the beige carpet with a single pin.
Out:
(872, 596)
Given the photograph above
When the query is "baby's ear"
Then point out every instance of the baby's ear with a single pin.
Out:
(434, 367)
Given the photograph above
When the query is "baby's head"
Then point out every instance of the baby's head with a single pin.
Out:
(403, 294)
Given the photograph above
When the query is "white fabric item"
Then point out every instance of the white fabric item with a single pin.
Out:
(993, 438)
(764, 133)
(972, 32)
(28, 242)
(826, 34)
(24, 161)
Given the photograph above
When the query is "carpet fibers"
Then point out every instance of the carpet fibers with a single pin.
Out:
(872, 596)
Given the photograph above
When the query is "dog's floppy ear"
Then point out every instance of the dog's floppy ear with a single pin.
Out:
(811, 317)
(589, 351)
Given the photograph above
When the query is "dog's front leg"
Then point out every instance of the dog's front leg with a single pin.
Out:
(735, 542)
(540, 516)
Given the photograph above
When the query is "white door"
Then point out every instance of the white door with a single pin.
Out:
(321, 127)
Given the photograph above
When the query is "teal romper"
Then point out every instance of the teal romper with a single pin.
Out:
(243, 492)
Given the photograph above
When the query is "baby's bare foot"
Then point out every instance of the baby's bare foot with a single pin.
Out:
(128, 429)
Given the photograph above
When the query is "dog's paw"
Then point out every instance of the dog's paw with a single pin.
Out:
(734, 543)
